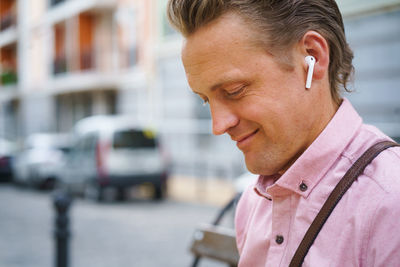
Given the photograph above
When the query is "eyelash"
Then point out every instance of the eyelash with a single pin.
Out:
(229, 94)
(236, 92)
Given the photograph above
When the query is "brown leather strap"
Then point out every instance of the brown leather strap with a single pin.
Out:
(333, 199)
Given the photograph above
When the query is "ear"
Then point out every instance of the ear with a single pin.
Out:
(314, 44)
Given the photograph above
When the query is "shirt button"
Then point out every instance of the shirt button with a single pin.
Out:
(279, 239)
(303, 187)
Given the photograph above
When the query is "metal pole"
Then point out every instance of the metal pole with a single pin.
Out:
(62, 202)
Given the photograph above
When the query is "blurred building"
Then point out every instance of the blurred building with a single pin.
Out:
(9, 69)
(63, 60)
(373, 31)
(71, 59)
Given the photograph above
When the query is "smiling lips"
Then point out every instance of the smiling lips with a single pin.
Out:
(243, 141)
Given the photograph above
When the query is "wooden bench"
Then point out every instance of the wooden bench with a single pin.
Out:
(215, 242)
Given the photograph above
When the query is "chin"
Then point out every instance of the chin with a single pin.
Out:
(260, 169)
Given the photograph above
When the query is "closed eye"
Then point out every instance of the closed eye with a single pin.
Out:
(236, 92)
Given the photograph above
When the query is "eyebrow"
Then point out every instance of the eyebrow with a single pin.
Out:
(221, 84)
(217, 86)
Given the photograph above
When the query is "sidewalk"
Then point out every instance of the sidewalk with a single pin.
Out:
(213, 191)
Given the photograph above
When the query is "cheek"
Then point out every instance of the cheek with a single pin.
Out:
(270, 121)
(279, 123)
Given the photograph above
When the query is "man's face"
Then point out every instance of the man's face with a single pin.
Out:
(262, 106)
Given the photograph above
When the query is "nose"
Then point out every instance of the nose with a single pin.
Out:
(223, 118)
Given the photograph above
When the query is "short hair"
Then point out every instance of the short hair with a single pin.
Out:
(281, 23)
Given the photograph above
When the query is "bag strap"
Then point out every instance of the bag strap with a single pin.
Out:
(334, 198)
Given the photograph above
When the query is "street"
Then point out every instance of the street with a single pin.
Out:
(138, 232)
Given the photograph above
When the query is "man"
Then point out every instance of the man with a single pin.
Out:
(246, 59)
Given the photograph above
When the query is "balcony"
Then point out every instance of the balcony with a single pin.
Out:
(8, 83)
(8, 65)
(8, 11)
(7, 20)
(9, 77)
(59, 65)
(86, 59)
(86, 62)
(83, 81)
(70, 8)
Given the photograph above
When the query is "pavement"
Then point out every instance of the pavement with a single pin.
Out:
(138, 232)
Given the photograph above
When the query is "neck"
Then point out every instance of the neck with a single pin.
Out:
(327, 110)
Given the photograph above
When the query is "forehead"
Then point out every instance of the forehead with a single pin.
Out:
(217, 50)
(229, 27)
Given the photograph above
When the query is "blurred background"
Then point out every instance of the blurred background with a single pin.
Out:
(80, 81)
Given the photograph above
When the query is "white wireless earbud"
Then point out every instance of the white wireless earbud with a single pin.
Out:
(311, 62)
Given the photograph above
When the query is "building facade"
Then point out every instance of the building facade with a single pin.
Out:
(373, 31)
(63, 60)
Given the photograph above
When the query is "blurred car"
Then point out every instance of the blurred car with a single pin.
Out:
(7, 151)
(114, 152)
(40, 160)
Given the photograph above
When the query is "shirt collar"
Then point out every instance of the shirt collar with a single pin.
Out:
(316, 160)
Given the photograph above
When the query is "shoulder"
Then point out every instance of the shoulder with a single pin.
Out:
(384, 170)
(383, 242)
(380, 187)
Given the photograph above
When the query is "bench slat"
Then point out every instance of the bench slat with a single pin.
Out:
(215, 242)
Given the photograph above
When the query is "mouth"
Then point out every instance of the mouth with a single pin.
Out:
(244, 141)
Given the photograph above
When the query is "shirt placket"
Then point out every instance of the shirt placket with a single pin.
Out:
(280, 228)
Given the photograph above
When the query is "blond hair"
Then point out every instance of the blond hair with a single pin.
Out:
(280, 24)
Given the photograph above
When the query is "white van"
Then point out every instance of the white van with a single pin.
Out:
(114, 152)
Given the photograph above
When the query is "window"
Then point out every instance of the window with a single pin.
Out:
(134, 139)
(7, 14)
(60, 62)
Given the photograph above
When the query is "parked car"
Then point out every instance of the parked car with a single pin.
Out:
(7, 151)
(40, 160)
(114, 152)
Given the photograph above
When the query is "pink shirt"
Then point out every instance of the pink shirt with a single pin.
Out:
(363, 229)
